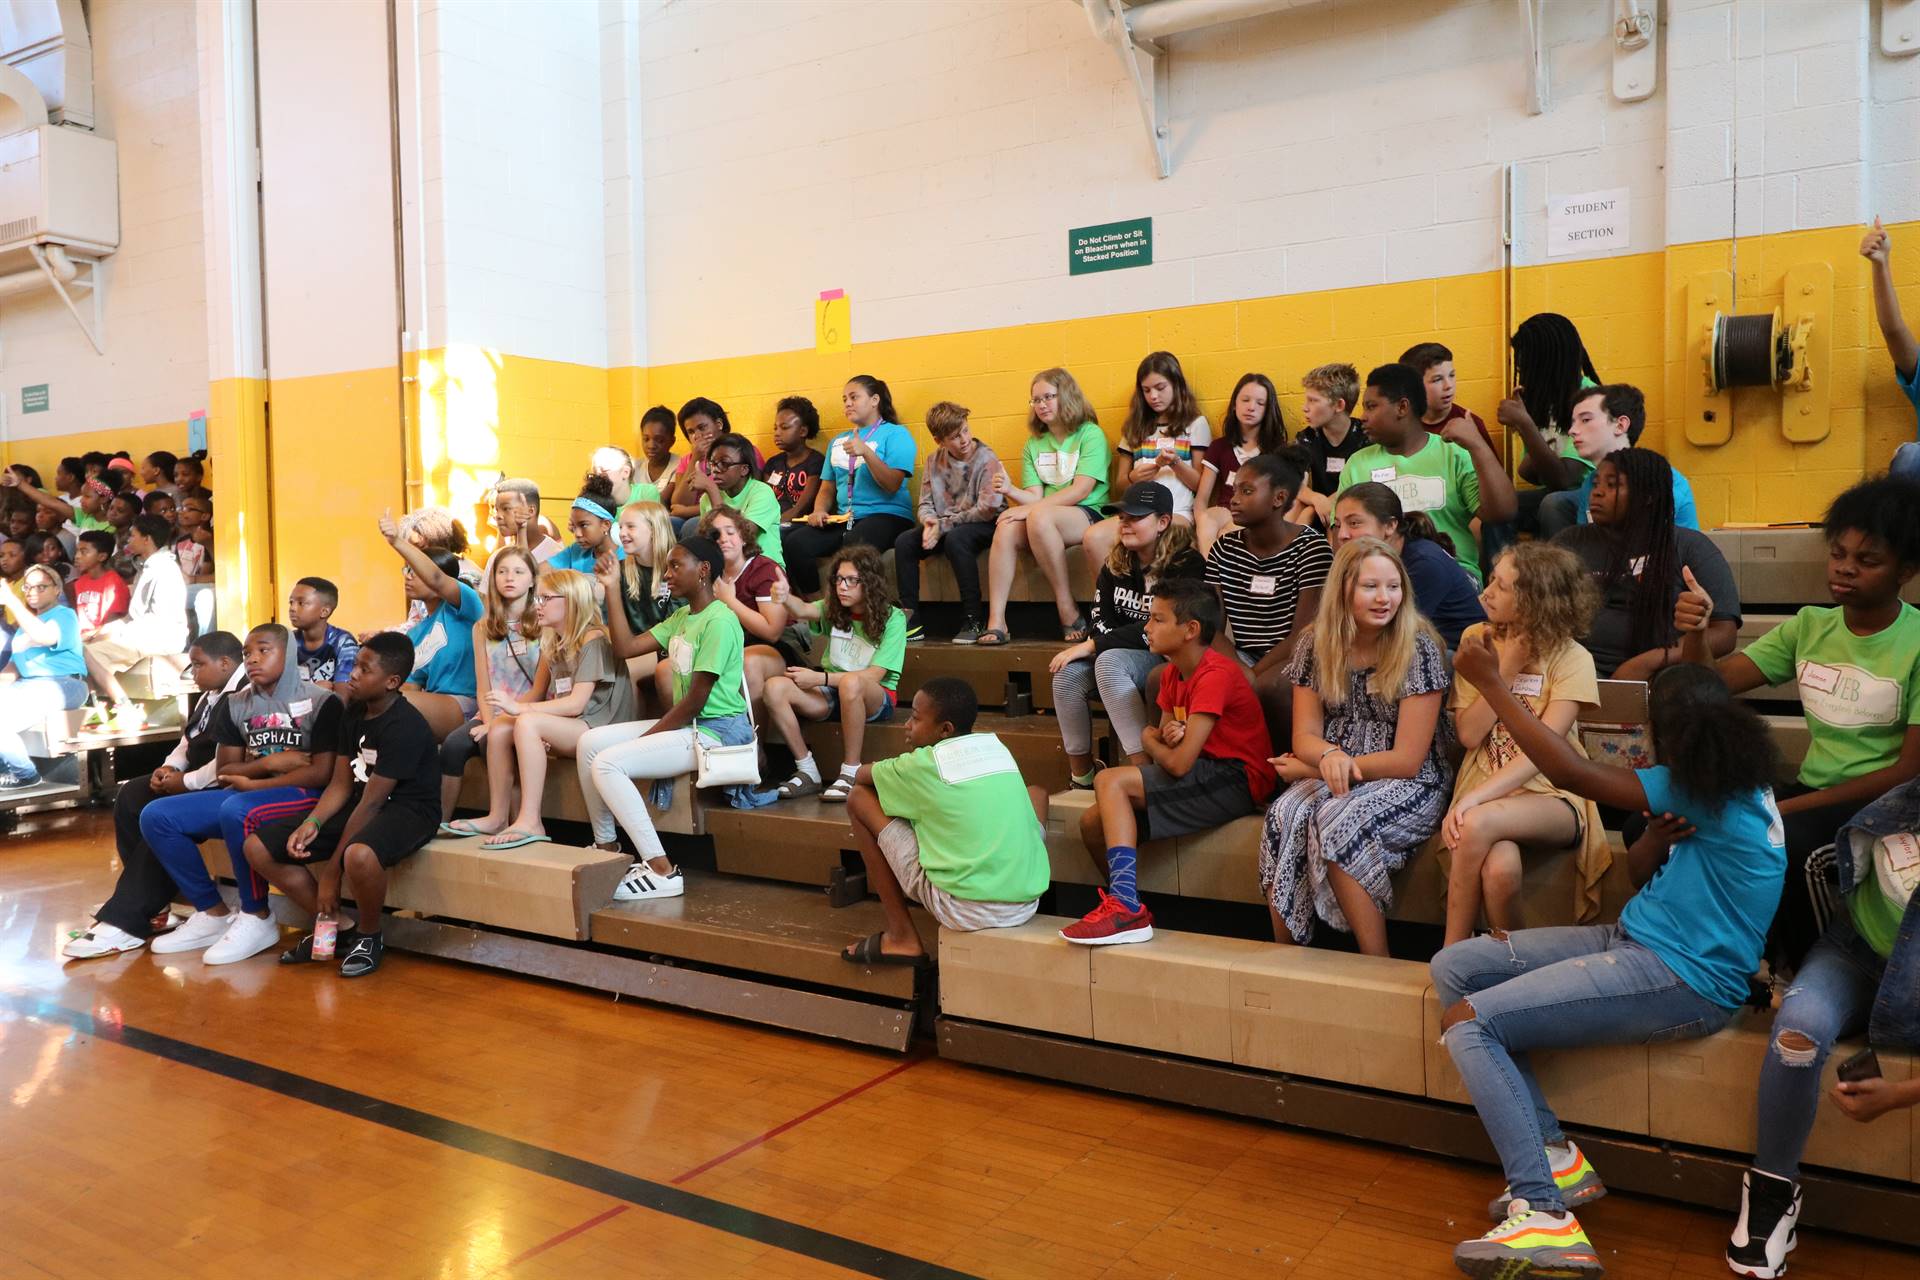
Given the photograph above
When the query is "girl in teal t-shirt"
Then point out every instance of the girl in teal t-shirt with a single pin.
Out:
(1063, 484)
(866, 647)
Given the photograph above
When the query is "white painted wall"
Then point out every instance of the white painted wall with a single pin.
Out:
(146, 87)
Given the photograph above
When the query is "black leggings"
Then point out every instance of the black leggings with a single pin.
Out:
(1801, 918)
(144, 888)
(805, 546)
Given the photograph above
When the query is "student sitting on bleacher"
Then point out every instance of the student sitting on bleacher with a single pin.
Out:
(137, 909)
(1442, 591)
(866, 648)
(155, 625)
(47, 665)
(1115, 660)
(950, 825)
(746, 585)
(959, 503)
(276, 736)
(380, 807)
(1675, 966)
(868, 480)
(506, 657)
(1162, 441)
(324, 652)
(193, 548)
(1254, 426)
(1368, 774)
(190, 479)
(655, 465)
(99, 594)
(1207, 761)
(586, 687)
(1860, 976)
(164, 506)
(1538, 601)
(1606, 420)
(794, 469)
(1453, 476)
(702, 421)
(1063, 485)
(646, 538)
(1433, 361)
(1877, 248)
(516, 518)
(1270, 573)
(728, 481)
(1551, 367)
(616, 466)
(1858, 668)
(592, 522)
(442, 685)
(1636, 553)
(701, 642)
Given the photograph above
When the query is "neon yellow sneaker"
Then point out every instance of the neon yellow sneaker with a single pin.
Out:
(1575, 1177)
(1531, 1244)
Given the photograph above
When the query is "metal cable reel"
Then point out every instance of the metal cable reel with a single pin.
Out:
(1758, 351)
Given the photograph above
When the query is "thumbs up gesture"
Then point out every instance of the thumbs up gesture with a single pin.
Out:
(388, 529)
(1877, 245)
(1694, 608)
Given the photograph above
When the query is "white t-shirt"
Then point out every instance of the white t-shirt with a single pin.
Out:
(1188, 446)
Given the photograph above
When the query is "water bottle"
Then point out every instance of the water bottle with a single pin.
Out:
(326, 928)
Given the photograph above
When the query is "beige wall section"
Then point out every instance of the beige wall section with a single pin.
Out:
(154, 372)
(336, 452)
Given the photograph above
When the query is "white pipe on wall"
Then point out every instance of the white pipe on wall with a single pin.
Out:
(32, 278)
(1162, 18)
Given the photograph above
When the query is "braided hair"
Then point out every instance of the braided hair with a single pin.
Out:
(1646, 531)
(1548, 362)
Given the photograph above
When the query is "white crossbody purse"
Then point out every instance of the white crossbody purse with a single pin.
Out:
(719, 765)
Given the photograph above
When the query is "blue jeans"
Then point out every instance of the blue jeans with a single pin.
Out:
(25, 704)
(1906, 462)
(1830, 997)
(174, 826)
(1553, 989)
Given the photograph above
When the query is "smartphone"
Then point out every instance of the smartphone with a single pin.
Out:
(1864, 1065)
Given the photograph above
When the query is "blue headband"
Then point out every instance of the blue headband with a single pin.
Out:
(592, 508)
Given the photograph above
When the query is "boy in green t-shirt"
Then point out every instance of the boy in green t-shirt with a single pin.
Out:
(947, 825)
(727, 481)
(1858, 667)
(1453, 476)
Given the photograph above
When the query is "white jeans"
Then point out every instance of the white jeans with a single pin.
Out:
(610, 758)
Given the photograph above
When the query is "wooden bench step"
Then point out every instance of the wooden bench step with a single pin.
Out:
(776, 929)
(1034, 742)
(797, 841)
(989, 669)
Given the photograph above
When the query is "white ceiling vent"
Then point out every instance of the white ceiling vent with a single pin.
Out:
(47, 41)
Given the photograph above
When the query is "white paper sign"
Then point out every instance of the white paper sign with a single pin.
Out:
(1590, 222)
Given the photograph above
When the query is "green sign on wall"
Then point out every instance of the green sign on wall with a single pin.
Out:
(34, 399)
(1110, 246)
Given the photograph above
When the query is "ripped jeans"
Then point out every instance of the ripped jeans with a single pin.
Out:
(1553, 989)
(1831, 996)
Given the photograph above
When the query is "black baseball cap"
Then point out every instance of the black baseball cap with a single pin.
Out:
(1144, 499)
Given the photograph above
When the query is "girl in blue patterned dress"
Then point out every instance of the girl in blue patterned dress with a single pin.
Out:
(1368, 770)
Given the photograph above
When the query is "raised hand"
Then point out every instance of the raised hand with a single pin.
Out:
(1694, 608)
(1476, 662)
(1877, 246)
(1513, 410)
(388, 529)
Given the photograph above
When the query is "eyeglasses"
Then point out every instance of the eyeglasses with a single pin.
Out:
(841, 580)
(728, 466)
(1048, 398)
(540, 600)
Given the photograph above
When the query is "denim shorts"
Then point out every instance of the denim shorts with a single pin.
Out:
(833, 704)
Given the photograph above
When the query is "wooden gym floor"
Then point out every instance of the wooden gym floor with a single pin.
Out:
(167, 1120)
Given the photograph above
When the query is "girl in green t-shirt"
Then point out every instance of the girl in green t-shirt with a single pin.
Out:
(866, 647)
(1063, 482)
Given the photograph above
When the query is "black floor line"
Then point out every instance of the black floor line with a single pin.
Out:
(745, 1223)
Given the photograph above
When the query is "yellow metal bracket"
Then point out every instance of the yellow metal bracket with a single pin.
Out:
(1708, 414)
(1806, 390)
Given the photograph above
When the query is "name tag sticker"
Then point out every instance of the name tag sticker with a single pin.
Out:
(1336, 465)
(1819, 676)
(1527, 686)
(1384, 475)
(1263, 584)
(301, 707)
(1903, 851)
(562, 685)
(517, 646)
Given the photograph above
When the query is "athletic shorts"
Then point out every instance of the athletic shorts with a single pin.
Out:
(901, 846)
(393, 835)
(1213, 793)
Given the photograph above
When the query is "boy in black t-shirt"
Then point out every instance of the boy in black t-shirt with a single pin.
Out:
(1330, 437)
(382, 805)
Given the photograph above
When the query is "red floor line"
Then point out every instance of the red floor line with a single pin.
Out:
(802, 1118)
(569, 1233)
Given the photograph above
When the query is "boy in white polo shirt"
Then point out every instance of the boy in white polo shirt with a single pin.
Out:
(950, 825)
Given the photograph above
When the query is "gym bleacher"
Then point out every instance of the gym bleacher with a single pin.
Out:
(1209, 1013)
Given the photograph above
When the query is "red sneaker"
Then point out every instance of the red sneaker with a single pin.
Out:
(1110, 922)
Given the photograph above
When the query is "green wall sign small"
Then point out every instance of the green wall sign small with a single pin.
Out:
(34, 399)
(1110, 246)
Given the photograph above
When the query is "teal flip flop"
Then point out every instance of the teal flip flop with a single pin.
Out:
(462, 829)
(522, 840)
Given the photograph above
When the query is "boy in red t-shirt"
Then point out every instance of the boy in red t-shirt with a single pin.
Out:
(99, 594)
(1209, 761)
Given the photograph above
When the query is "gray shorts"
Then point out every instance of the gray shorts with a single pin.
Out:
(902, 850)
(1213, 793)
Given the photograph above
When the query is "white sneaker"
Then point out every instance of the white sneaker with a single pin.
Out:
(247, 936)
(102, 940)
(642, 882)
(196, 931)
